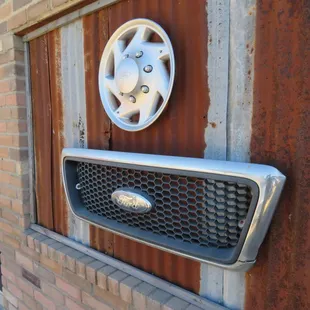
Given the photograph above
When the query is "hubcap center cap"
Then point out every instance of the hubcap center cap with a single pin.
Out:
(127, 75)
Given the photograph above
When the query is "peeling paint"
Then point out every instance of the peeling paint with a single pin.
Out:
(73, 85)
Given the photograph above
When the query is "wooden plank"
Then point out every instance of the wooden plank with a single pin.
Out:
(59, 199)
(42, 124)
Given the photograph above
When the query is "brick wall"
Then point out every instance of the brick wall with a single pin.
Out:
(64, 278)
(67, 279)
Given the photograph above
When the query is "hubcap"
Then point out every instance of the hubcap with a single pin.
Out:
(134, 80)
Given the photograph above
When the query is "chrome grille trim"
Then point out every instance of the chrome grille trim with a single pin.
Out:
(267, 180)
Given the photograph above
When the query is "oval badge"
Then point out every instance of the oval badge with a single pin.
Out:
(132, 200)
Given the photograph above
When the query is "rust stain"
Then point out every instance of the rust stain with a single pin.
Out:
(98, 123)
(59, 199)
(213, 125)
(180, 129)
(42, 124)
(280, 137)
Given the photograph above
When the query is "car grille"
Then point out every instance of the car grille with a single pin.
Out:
(207, 212)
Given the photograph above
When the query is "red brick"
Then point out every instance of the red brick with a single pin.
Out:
(25, 286)
(19, 207)
(68, 288)
(8, 191)
(8, 274)
(17, 4)
(6, 86)
(11, 69)
(2, 101)
(5, 113)
(38, 9)
(6, 140)
(5, 202)
(19, 140)
(4, 152)
(11, 55)
(18, 19)
(11, 242)
(45, 302)
(5, 10)
(18, 154)
(15, 290)
(6, 227)
(3, 27)
(58, 2)
(15, 100)
(94, 303)
(18, 113)
(11, 298)
(6, 165)
(20, 181)
(2, 127)
(10, 216)
(54, 294)
(22, 307)
(50, 264)
(24, 261)
(71, 305)
(5, 177)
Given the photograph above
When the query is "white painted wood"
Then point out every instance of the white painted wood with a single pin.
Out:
(74, 101)
(239, 117)
(211, 284)
(67, 19)
(218, 61)
(31, 161)
(241, 76)
(135, 272)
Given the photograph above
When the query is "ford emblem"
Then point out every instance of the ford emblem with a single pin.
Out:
(132, 200)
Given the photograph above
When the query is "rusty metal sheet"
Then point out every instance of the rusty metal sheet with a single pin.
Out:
(180, 130)
(98, 124)
(58, 197)
(280, 137)
(42, 124)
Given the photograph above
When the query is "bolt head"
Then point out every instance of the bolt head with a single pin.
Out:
(132, 99)
(139, 54)
(145, 89)
(148, 69)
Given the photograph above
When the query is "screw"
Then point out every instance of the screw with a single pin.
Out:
(145, 89)
(132, 99)
(78, 186)
(126, 56)
(139, 54)
(241, 223)
(148, 69)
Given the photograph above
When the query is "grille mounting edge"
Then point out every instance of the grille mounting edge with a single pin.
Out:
(263, 184)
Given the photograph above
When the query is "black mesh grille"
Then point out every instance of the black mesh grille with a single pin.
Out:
(205, 212)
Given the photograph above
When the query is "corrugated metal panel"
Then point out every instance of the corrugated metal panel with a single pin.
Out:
(180, 130)
(98, 129)
(74, 103)
(59, 201)
(42, 124)
(280, 137)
